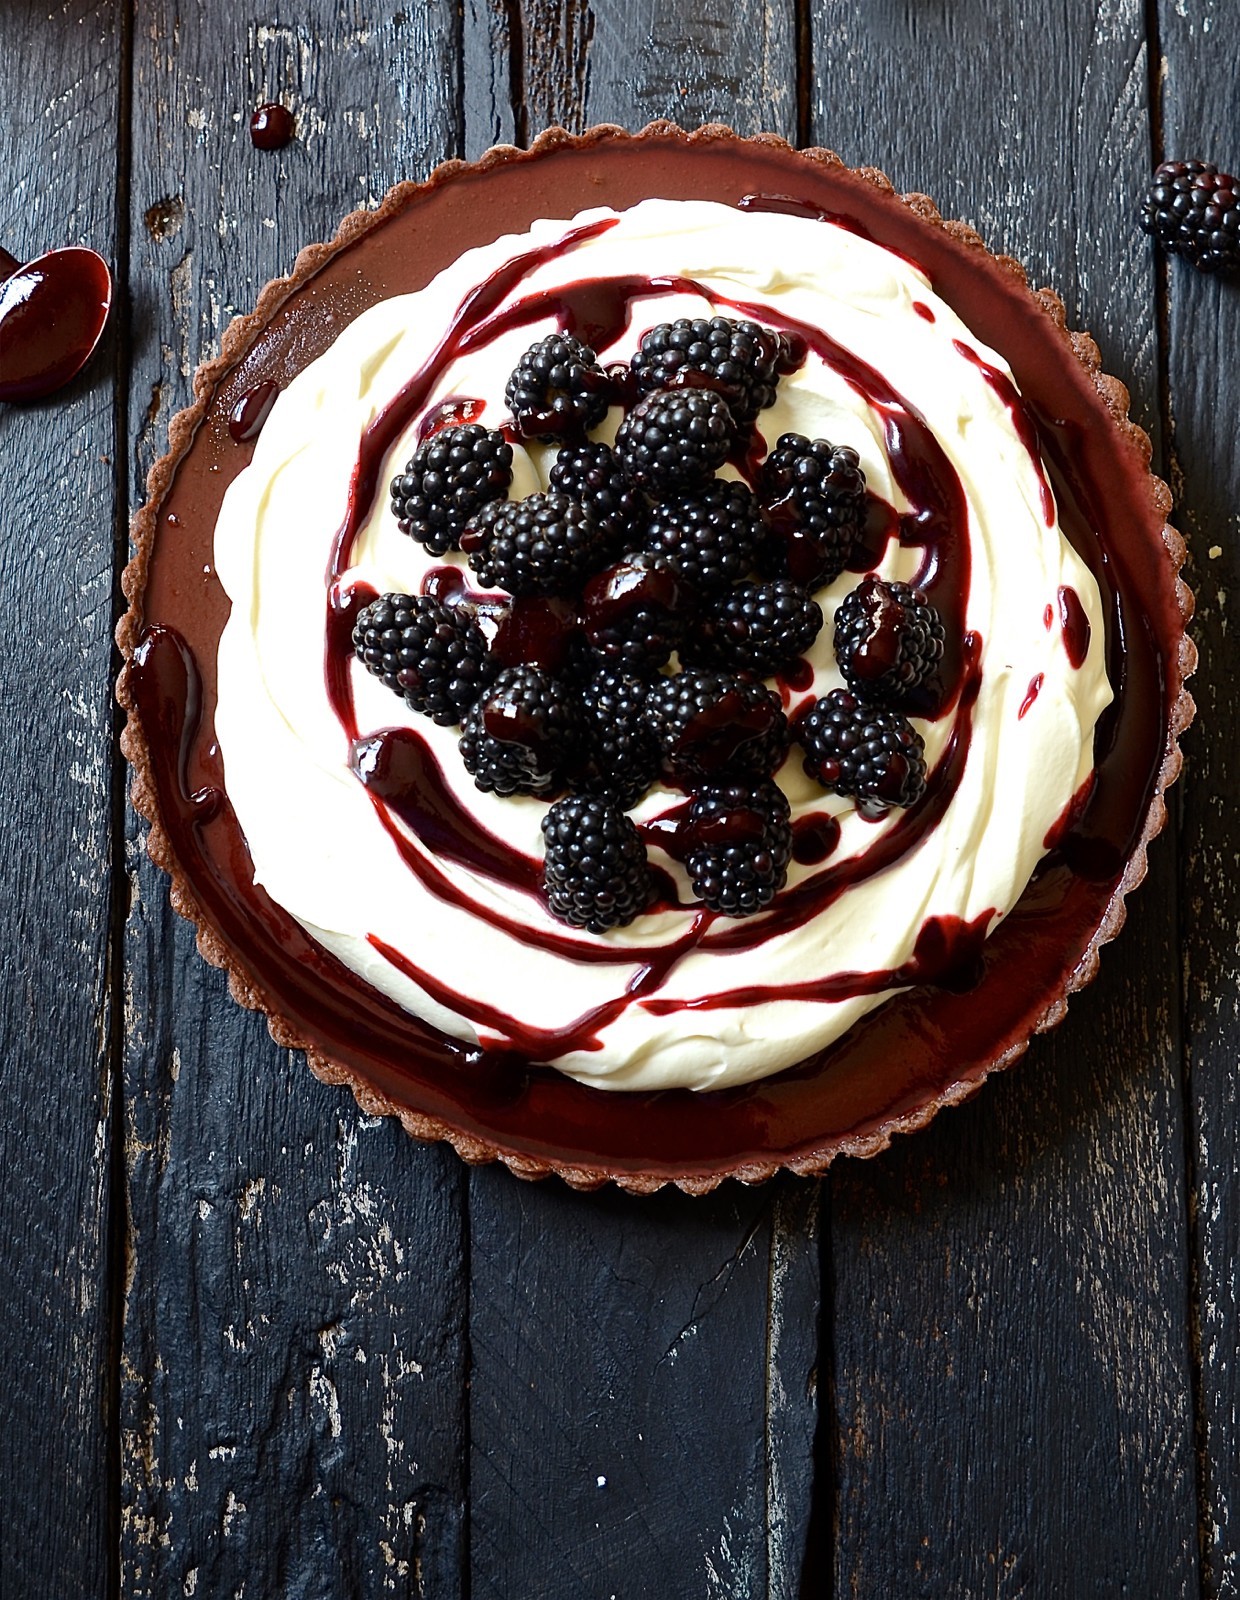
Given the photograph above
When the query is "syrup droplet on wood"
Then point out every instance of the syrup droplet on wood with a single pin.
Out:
(272, 127)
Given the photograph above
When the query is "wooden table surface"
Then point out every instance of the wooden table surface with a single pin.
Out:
(259, 1344)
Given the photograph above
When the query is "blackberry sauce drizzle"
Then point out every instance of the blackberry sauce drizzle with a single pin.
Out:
(246, 419)
(1075, 626)
(404, 780)
(1022, 424)
(948, 951)
(788, 205)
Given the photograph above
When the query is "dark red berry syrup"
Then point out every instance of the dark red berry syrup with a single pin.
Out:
(272, 127)
(246, 419)
(52, 315)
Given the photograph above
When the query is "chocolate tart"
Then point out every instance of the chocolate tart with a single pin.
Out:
(926, 1048)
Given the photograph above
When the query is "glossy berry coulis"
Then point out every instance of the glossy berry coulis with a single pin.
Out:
(245, 420)
(52, 314)
(272, 127)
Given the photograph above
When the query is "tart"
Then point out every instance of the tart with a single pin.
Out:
(385, 912)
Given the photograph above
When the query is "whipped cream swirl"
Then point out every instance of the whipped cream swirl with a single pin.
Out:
(679, 998)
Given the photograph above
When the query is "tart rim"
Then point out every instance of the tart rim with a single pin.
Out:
(240, 337)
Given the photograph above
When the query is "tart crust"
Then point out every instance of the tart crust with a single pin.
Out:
(815, 1154)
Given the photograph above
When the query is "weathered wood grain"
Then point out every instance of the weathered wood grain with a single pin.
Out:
(295, 1313)
(627, 1377)
(1198, 82)
(642, 1402)
(1010, 1350)
(696, 61)
(540, 63)
(60, 94)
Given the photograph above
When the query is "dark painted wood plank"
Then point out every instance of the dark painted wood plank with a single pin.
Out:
(294, 1344)
(61, 80)
(487, 46)
(695, 61)
(1203, 334)
(642, 1401)
(536, 64)
(641, 1415)
(1010, 1365)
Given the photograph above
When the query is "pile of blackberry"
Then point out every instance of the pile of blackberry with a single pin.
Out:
(636, 552)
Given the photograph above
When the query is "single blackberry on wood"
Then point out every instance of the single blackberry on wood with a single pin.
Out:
(888, 641)
(813, 493)
(435, 657)
(523, 734)
(710, 535)
(736, 359)
(595, 872)
(620, 754)
(591, 473)
(875, 756)
(1193, 210)
(544, 544)
(453, 475)
(742, 839)
(755, 627)
(635, 613)
(715, 724)
(675, 438)
(558, 390)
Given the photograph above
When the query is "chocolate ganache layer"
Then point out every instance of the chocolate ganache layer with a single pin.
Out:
(979, 998)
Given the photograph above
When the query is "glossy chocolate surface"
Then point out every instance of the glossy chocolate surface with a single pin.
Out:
(987, 997)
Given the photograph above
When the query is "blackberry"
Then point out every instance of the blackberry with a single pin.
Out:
(591, 474)
(711, 535)
(876, 756)
(595, 871)
(636, 611)
(742, 839)
(1193, 210)
(452, 476)
(888, 641)
(621, 754)
(735, 359)
(434, 656)
(544, 544)
(712, 724)
(522, 735)
(674, 439)
(814, 494)
(558, 390)
(755, 627)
